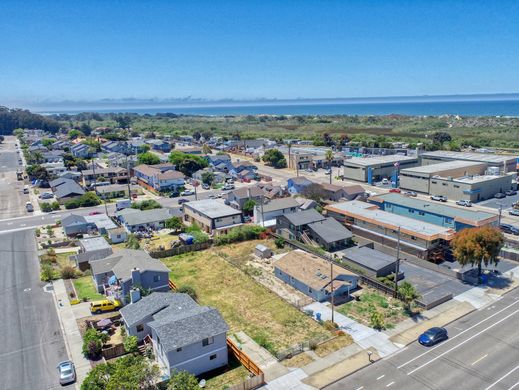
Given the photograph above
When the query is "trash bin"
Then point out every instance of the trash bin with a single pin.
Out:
(318, 316)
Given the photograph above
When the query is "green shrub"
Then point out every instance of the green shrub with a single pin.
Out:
(46, 207)
(132, 242)
(242, 233)
(47, 273)
(147, 205)
(68, 272)
(280, 243)
(130, 344)
(189, 290)
(72, 204)
(93, 341)
(199, 237)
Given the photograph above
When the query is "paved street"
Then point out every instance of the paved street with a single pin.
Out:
(481, 353)
(31, 338)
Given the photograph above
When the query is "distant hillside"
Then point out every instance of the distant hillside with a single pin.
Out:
(11, 119)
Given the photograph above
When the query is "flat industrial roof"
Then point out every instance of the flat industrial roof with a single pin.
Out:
(212, 208)
(483, 157)
(371, 213)
(367, 161)
(435, 208)
(471, 179)
(441, 167)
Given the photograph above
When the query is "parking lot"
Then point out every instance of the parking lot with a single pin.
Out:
(505, 203)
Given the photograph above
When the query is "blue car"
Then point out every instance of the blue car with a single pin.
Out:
(433, 336)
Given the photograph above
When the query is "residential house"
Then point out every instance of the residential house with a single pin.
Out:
(125, 269)
(311, 227)
(53, 156)
(184, 335)
(213, 216)
(81, 151)
(90, 249)
(74, 224)
(113, 175)
(61, 145)
(159, 145)
(219, 177)
(238, 197)
(218, 158)
(137, 146)
(266, 214)
(117, 235)
(368, 260)
(54, 169)
(121, 160)
(140, 220)
(66, 189)
(114, 147)
(297, 185)
(312, 275)
(335, 193)
(160, 177)
(190, 150)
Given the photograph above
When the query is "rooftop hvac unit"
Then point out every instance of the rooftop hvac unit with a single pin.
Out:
(493, 171)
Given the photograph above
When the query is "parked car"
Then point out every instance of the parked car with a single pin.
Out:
(510, 229)
(410, 193)
(26, 190)
(499, 195)
(206, 186)
(395, 190)
(310, 170)
(510, 193)
(385, 181)
(466, 203)
(514, 212)
(67, 372)
(46, 195)
(96, 212)
(439, 198)
(328, 172)
(228, 187)
(104, 305)
(29, 207)
(433, 336)
(187, 193)
(174, 195)
(183, 200)
(212, 196)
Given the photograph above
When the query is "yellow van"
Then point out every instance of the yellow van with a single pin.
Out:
(104, 305)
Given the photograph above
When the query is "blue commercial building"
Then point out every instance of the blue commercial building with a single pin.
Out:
(438, 214)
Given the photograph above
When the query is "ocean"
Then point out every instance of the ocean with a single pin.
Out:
(465, 108)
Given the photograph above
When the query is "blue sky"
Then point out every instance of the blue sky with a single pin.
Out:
(95, 49)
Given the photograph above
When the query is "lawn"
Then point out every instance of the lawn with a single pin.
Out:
(233, 376)
(63, 259)
(391, 308)
(245, 304)
(159, 240)
(85, 289)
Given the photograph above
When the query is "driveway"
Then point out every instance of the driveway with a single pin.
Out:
(31, 338)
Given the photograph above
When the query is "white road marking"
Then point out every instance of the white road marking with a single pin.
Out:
(380, 377)
(463, 342)
(514, 386)
(23, 224)
(480, 359)
(390, 384)
(360, 388)
(459, 334)
(503, 377)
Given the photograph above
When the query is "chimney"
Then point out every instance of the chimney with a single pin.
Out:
(135, 295)
(136, 277)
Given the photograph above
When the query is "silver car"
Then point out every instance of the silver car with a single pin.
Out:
(67, 372)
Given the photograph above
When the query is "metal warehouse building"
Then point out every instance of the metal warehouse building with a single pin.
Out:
(432, 212)
(419, 178)
(370, 169)
(509, 163)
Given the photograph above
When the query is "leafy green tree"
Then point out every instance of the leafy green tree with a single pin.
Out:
(376, 319)
(93, 341)
(183, 380)
(440, 137)
(208, 178)
(130, 344)
(408, 293)
(174, 223)
(248, 206)
(274, 158)
(187, 163)
(74, 134)
(38, 172)
(132, 242)
(148, 158)
(47, 273)
(478, 246)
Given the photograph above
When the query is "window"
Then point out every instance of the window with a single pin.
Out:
(212, 357)
(156, 278)
(179, 349)
(421, 213)
(140, 328)
(207, 341)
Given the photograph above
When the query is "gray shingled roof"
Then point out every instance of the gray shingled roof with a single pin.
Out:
(304, 217)
(147, 216)
(153, 304)
(367, 257)
(68, 187)
(123, 261)
(330, 230)
(279, 204)
(176, 328)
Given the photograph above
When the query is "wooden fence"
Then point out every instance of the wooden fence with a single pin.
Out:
(112, 352)
(250, 384)
(179, 250)
(243, 358)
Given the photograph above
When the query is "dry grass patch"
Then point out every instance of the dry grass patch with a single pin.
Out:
(245, 304)
(300, 360)
(333, 345)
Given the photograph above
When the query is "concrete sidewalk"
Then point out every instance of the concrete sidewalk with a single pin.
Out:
(70, 330)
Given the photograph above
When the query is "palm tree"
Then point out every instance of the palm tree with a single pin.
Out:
(408, 294)
(329, 157)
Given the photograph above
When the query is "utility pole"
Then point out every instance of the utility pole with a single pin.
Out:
(500, 212)
(397, 262)
(331, 289)
(262, 215)
(128, 172)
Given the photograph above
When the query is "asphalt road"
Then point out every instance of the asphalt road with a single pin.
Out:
(31, 338)
(482, 353)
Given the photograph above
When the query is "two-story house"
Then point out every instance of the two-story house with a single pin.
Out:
(160, 177)
(81, 151)
(213, 216)
(159, 145)
(184, 335)
(113, 175)
(266, 214)
(238, 197)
